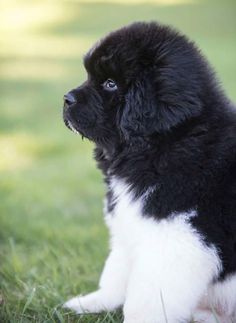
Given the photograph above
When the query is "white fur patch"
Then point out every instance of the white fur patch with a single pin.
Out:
(159, 270)
(170, 265)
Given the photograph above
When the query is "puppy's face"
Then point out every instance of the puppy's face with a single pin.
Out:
(142, 80)
(94, 108)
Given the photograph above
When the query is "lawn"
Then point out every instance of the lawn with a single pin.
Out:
(53, 241)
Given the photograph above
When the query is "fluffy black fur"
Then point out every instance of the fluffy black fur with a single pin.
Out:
(168, 126)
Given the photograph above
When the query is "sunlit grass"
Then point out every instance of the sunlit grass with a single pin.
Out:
(16, 151)
(53, 241)
(21, 150)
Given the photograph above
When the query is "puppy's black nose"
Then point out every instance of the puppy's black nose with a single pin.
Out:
(69, 99)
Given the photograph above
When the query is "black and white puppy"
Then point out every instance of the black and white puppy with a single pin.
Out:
(165, 138)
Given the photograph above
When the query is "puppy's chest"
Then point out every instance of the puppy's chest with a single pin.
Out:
(123, 214)
(131, 228)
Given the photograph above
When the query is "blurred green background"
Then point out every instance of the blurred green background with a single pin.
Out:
(53, 242)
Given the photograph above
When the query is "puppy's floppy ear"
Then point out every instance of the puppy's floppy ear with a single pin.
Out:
(140, 113)
(151, 109)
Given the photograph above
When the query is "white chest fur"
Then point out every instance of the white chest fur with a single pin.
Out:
(161, 245)
(166, 256)
(125, 222)
(129, 227)
(161, 271)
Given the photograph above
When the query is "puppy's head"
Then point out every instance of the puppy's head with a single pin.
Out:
(143, 79)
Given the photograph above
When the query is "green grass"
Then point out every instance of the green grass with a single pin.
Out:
(53, 242)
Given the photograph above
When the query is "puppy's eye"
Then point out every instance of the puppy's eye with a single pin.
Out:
(109, 85)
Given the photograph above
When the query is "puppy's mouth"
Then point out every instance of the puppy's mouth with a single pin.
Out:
(70, 126)
(97, 139)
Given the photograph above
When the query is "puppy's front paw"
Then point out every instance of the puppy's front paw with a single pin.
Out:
(91, 303)
(75, 305)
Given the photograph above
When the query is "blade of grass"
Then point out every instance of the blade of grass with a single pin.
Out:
(163, 306)
(28, 301)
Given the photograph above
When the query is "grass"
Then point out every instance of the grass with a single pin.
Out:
(52, 237)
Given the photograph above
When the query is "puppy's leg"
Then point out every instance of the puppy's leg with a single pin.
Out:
(112, 286)
(171, 272)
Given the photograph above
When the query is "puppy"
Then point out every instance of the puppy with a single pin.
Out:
(165, 140)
